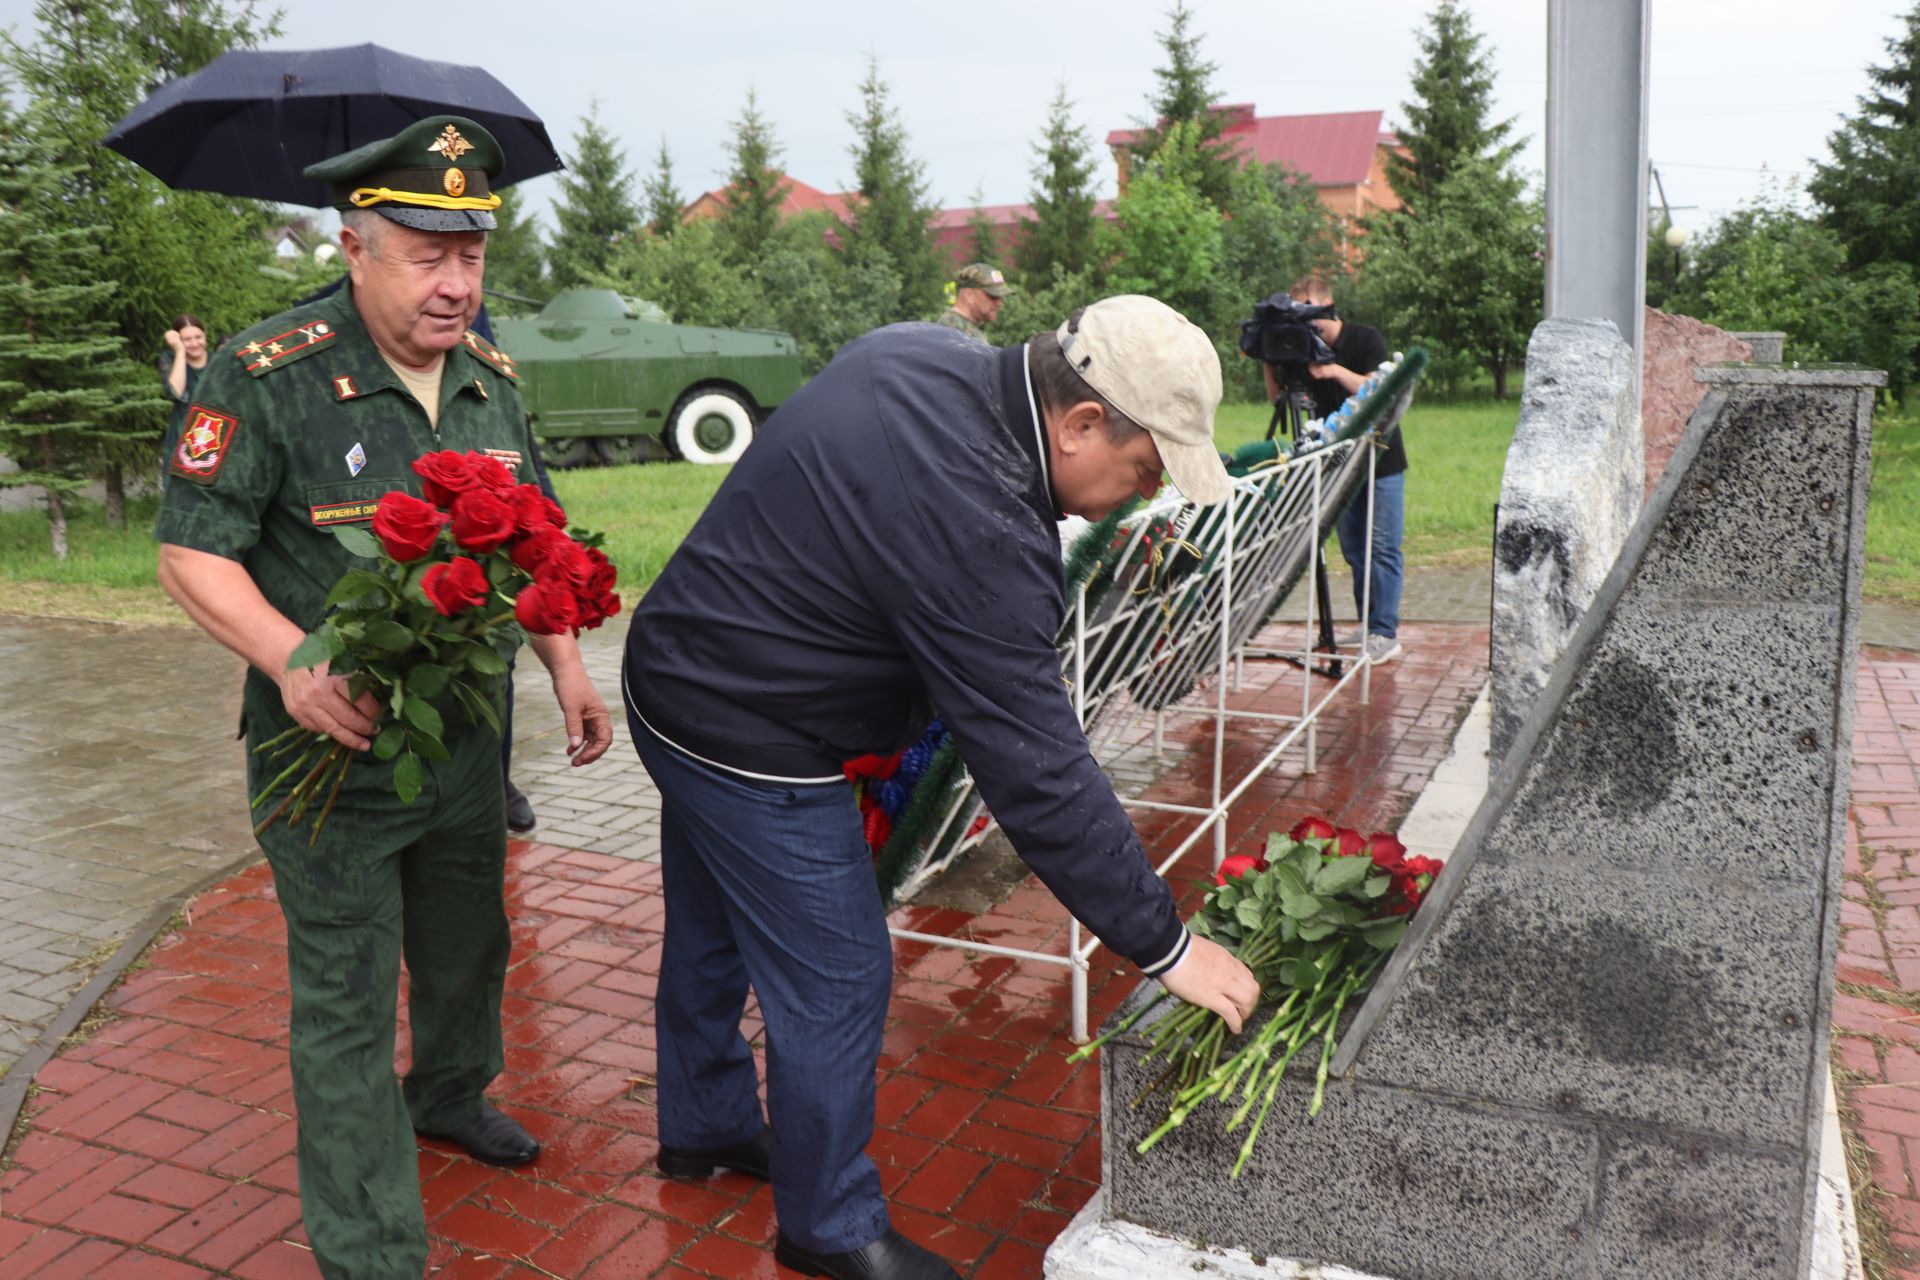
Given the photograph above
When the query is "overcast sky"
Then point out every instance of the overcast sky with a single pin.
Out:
(1744, 91)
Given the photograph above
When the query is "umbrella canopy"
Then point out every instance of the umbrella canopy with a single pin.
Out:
(248, 122)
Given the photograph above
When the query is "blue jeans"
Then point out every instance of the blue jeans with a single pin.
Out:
(772, 885)
(1389, 566)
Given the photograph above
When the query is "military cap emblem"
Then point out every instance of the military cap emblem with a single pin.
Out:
(451, 145)
(455, 182)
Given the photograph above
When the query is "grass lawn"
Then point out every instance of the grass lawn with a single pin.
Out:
(1456, 451)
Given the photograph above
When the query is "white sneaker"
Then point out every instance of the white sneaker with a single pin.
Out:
(1382, 649)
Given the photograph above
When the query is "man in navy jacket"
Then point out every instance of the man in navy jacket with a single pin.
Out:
(888, 549)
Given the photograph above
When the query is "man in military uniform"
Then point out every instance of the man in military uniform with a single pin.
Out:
(299, 425)
(978, 291)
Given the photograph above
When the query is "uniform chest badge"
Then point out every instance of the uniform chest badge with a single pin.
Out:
(356, 459)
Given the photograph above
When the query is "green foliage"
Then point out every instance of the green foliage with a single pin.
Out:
(1462, 277)
(1871, 188)
(595, 210)
(1186, 96)
(661, 201)
(516, 260)
(1276, 231)
(983, 239)
(686, 274)
(1768, 266)
(1446, 123)
(887, 219)
(1042, 303)
(1166, 240)
(1059, 238)
(69, 393)
(755, 189)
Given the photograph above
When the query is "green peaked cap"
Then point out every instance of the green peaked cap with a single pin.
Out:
(435, 174)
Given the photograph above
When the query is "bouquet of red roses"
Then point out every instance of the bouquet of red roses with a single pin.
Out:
(457, 581)
(1315, 920)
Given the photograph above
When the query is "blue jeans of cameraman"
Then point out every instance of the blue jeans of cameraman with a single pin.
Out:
(1389, 565)
(772, 884)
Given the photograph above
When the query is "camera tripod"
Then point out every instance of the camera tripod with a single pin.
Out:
(1294, 405)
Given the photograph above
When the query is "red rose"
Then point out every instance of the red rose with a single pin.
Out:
(532, 552)
(481, 521)
(491, 474)
(544, 609)
(533, 510)
(407, 527)
(568, 563)
(445, 475)
(600, 583)
(1311, 829)
(455, 586)
(870, 766)
(1386, 849)
(1236, 866)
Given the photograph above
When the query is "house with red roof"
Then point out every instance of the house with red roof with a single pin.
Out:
(799, 198)
(1343, 153)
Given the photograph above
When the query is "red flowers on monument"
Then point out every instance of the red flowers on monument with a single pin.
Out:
(449, 585)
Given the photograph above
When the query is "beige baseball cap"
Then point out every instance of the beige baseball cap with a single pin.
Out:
(1157, 367)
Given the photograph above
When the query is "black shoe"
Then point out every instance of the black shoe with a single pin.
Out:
(752, 1157)
(891, 1257)
(492, 1137)
(519, 809)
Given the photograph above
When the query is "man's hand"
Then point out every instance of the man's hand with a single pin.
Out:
(589, 727)
(1213, 978)
(320, 702)
(1338, 373)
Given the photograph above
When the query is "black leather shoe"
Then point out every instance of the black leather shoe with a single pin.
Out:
(492, 1137)
(752, 1157)
(519, 809)
(891, 1257)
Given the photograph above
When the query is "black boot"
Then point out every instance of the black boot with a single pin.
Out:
(519, 810)
(492, 1137)
(891, 1257)
(752, 1157)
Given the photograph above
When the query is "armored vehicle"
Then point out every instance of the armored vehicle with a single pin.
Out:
(611, 378)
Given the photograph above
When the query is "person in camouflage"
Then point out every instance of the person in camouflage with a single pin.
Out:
(301, 424)
(978, 290)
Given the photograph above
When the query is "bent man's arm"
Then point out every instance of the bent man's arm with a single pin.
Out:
(221, 596)
(589, 727)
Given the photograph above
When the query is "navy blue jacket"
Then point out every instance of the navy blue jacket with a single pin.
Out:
(888, 547)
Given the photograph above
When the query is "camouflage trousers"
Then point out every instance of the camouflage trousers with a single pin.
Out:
(384, 880)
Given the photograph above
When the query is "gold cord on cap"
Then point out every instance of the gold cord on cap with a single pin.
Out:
(365, 197)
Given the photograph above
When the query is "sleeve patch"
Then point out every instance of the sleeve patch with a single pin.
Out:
(203, 444)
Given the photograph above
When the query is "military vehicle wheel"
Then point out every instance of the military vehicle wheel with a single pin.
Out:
(566, 451)
(710, 426)
(620, 451)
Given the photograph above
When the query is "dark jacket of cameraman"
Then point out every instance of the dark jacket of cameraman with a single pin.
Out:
(1361, 348)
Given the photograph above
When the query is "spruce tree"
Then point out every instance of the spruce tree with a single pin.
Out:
(1186, 96)
(889, 216)
(756, 189)
(68, 390)
(983, 238)
(1446, 123)
(1058, 239)
(516, 259)
(595, 210)
(662, 203)
(1870, 191)
(89, 63)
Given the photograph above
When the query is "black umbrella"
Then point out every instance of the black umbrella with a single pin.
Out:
(248, 122)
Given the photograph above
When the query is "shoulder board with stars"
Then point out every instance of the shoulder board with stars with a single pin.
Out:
(493, 355)
(263, 355)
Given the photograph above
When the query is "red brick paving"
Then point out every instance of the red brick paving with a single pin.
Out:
(161, 1147)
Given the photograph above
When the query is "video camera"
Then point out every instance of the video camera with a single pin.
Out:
(1281, 332)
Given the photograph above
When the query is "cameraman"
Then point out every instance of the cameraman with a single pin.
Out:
(1358, 350)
